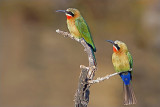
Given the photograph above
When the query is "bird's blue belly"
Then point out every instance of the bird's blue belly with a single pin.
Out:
(126, 77)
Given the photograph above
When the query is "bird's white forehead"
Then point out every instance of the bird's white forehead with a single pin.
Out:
(68, 9)
(116, 42)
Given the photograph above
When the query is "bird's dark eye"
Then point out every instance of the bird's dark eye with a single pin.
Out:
(70, 13)
(117, 46)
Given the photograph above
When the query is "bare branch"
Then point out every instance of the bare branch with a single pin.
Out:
(103, 78)
(82, 93)
(66, 34)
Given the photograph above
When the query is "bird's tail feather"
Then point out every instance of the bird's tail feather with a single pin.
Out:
(129, 96)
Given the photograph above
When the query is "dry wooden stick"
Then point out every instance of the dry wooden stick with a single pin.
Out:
(103, 78)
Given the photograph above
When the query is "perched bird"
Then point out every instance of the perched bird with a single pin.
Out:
(123, 62)
(78, 26)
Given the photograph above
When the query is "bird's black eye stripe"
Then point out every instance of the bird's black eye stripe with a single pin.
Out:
(117, 46)
(70, 13)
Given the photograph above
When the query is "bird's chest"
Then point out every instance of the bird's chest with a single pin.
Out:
(73, 29)
(120, 62)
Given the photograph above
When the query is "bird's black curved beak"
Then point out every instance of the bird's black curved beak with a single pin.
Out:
(116, 45)
(64, 11)
(110, 41)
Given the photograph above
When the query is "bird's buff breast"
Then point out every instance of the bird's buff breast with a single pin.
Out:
(120, 62)
(73, 29)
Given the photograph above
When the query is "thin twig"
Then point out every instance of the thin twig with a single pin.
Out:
(66, 34)
(103, 78)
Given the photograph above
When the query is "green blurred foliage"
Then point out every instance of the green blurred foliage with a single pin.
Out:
(40, 68)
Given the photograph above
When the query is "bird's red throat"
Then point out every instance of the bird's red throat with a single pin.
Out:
(114, 49)
(68, 16)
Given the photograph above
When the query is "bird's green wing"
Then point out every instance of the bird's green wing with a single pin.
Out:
(85, 32)
(130, 59)
(130, 62)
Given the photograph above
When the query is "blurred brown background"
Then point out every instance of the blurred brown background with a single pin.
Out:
(40, 68)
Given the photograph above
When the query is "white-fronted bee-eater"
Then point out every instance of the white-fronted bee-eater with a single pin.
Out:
(78, 27)
(123, 62)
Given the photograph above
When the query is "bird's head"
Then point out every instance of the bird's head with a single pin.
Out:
(118, 46)
(70, 13)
